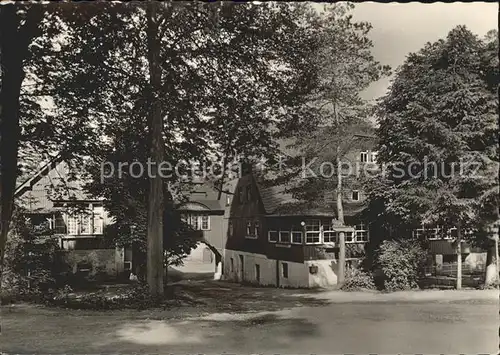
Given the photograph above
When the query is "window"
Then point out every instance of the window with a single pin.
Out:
(273, 236)
(98, 220)
(72, 224)
(363, 157)
(257, 272)
(284, 237)
(349, 237)
(374, 157)
(82, 221)
(194, 221)
(232, 265)
(205, 222)
(228, 200)
(230, 228)
(452, 233)
(361, 233)
(313, 231)
(284, 270)
(197, 222)
(86, 223)
(329, 237)
(418, 232)
(256, 228)
(250, 231)
(355, 195)
(249, 193)
(437, 233)
(296, 237)
(60, 225)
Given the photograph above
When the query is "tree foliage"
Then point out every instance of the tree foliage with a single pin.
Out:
(336, 111)
(31, 257)
(439, 136)
(229, 74)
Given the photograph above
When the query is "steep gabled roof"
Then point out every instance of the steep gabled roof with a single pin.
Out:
(43, 171)
(277, 200)
(274, 196)
(208, 195)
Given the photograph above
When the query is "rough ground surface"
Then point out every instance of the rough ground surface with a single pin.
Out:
(238, 319)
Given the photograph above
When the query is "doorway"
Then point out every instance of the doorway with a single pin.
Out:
(257, 273)
(242, 268)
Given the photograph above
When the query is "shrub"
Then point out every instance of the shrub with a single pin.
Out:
(136, 297)
(495, 285)
(401, 263)
(357, 280)
(29, 263)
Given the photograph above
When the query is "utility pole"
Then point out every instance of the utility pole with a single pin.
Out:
(155, 258)
(459, 256)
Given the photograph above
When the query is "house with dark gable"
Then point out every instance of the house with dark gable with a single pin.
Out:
(275, 239)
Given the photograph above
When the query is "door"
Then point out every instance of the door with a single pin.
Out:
(257, 273)
(242, 268)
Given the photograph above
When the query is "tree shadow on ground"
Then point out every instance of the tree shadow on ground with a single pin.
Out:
(269, 331)
(228, 297)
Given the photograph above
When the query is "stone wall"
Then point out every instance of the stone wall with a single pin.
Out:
(98, 261)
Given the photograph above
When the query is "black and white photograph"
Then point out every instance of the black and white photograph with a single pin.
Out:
(249, 177)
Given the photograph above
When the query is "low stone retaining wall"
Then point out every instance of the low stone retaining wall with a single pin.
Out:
(93, 262)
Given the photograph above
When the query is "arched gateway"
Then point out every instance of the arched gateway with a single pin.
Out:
(207, 217)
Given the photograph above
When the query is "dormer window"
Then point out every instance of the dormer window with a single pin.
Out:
(355, 195)
(363, 157)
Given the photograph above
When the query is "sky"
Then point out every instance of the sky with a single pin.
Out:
(399, 29)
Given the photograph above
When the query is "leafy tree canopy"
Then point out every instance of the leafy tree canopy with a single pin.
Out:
(442, 109)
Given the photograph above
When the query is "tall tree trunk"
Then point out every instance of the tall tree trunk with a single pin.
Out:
(459, 256)
(492, 269)
(155, 256)
(14, 42)
(497, 261)
(340, 208)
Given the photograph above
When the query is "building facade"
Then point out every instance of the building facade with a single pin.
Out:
(206, 210)
(274, 239)
(77, 220)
